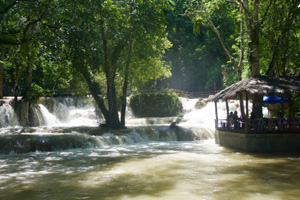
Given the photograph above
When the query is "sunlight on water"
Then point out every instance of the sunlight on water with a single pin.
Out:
(153, 170)
(62, 160)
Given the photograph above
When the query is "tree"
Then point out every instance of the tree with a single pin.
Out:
(196, 60)
(17, 21)
(109, 37)
(258, 17)
(282, 39)
(205, 12)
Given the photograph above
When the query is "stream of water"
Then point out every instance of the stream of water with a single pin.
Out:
(66, 158)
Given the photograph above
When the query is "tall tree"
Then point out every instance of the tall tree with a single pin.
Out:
(281, 38)
(18, 19)
(108, 35)
(259, 17)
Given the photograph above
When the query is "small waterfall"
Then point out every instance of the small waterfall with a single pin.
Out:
(50, 112)
(68, 112)
(68, 123)
(49, 118)
(8, 117)
(31, 140)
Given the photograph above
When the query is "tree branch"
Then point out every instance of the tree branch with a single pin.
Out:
(216, 31)
(10, 6)
(265, 14)
(6, 9)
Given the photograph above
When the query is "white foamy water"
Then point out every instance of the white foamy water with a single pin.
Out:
(63, 160)
(8, 115)
(67, 112)
(149, 170)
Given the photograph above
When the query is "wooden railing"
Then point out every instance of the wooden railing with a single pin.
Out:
(266, 125)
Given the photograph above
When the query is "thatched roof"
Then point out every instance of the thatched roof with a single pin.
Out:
(260, 85)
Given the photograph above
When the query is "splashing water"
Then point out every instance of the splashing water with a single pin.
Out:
(62, 161)
(8, 116)
(70, 112)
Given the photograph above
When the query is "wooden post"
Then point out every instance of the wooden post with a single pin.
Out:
(242, 105)
(217, 118)
(247, 106)
(247, 114)
(282, 107)
(290, 111)
(227, 111)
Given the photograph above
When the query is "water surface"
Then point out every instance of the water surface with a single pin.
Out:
(151, 170)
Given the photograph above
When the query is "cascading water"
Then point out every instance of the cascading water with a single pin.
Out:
(62, 122)
(7, 113)
(68, 112)
(69, 157)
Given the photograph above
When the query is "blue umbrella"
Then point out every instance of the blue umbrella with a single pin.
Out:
(273, 99)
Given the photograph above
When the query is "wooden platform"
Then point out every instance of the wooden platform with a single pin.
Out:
(265, 138)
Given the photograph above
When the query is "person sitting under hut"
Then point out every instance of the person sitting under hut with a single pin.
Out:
(235, 120)
(230, 119)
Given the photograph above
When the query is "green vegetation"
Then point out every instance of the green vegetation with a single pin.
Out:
(105, 48)
(200, 103)
(156, 104)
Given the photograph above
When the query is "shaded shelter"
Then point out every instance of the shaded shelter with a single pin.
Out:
(261, 85)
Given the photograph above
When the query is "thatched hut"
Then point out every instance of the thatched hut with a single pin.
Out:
(245, 90)
(261, 85)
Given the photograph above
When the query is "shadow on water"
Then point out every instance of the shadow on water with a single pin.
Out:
(102, 182)
(256, 176)
(218, 173)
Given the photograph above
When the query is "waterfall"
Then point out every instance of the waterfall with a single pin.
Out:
(8, 117)
(37, 139)
(68, 123)
(50, 119)
(75, 112)
(51, 112)
(81, 112)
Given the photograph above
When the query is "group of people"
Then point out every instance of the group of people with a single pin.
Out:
(233, 119)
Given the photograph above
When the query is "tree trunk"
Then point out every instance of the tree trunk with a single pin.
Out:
(253, 26)
(18, 72)
(240, 65)
(113, 120)
(28, 81)
(274, 61)
(242, 107)
(280, 46)
(125, 85)
(255, 40)
(257, 101)
(96, 92)
(1, 71)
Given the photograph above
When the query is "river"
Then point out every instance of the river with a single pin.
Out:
(61, 161)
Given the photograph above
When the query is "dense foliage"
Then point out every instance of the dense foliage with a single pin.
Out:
(106, 47)
(156, 104)
(100, 47)
(197, 60)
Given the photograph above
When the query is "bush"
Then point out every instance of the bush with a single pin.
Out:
(36, 92)
(160, 104)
